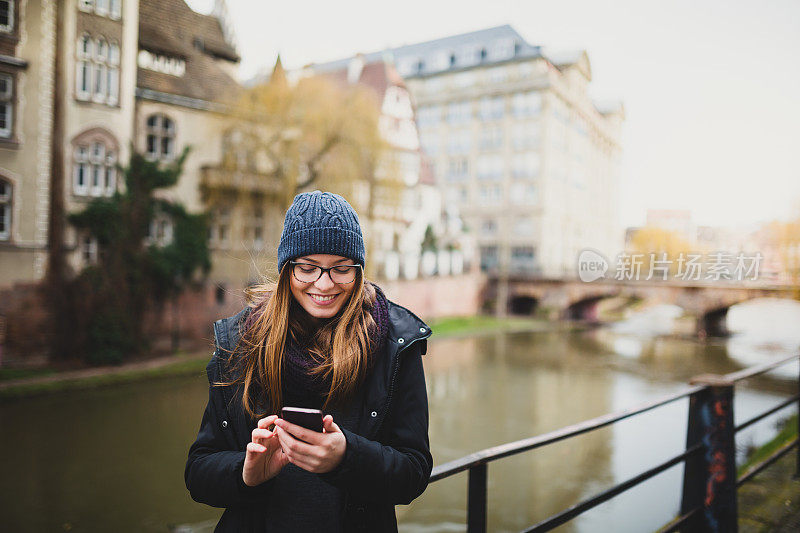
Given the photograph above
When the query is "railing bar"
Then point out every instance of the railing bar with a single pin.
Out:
(512, 448)
(678, 522)
(760, 369)
(575, 510)
(765, 414)
(750, 474)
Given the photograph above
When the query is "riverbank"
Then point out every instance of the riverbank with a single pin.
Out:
(770, 502)
(18, 383)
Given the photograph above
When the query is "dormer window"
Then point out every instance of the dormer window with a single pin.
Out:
(104, 8)
(173, 66)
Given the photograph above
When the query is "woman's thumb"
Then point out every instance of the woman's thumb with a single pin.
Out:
(329, 425)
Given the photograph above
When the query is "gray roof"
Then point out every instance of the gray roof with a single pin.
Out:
(457, 52)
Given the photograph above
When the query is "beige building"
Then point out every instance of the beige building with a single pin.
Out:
(27, 50)
(81, 81)
(519, 146)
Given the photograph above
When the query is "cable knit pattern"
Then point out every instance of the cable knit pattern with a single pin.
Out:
(321, 223)
(300, 388)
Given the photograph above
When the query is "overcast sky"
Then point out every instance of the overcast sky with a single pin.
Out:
(711, 88)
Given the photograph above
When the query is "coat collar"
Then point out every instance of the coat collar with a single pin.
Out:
(405, 328)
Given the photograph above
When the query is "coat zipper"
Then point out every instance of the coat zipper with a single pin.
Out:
(394, 376)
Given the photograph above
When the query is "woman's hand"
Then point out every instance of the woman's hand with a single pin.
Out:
(264, 458)
(320, 453)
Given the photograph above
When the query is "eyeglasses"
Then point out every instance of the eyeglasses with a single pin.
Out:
(308, 273)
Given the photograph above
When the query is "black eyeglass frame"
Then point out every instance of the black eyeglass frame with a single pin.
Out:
(322, 270)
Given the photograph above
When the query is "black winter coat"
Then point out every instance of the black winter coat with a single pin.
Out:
(387, 459)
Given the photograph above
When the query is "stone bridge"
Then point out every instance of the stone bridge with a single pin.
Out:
(573, 299)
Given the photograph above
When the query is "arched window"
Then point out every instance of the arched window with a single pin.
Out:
(94, 169)
(6, 201)
(160, 137)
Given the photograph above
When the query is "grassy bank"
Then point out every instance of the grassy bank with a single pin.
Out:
(786, 434)
(482, 324)
(178, 365)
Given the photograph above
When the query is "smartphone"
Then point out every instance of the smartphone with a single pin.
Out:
(301, 416)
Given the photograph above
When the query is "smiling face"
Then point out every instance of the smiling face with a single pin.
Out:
(315, 297)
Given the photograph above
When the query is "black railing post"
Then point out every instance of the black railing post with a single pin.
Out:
(797, 457)
(476, 499)
(709, 479)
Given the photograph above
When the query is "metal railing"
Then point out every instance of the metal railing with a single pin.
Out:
(708, 501)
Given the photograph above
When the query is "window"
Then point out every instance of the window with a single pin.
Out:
(462, 80)
(104, 8)
(160, 137)
(523, 194)
(160, 231)
(112, 85)
(460, 142)
(97, 161)
(80, 174)
(492, 107)
(488, 257)
(429, 115)
(490, 195)
(522, 259)
(256, 230)
(7, 16)
(525, 165)
(94, 170)
(83, 77)
(490, 167)
(89, 250)
(525, 136)
(524, 227)
(457, 169)
(491, 138)
(110, 183)
(220, 228)
(527, 104)
(6, 105)
(5, 209)
(458, 112)
(488, 227)
(97, 70)
(497, 74)
(100, 70)
(430, 143)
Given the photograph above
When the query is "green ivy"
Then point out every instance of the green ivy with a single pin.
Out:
(108, 302)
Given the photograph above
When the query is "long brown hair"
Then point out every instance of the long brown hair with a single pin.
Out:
(341, 347)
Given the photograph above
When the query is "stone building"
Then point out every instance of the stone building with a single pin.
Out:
(518, 146)
(82, 81)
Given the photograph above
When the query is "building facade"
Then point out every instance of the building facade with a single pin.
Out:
(83, 81)
(517, 144)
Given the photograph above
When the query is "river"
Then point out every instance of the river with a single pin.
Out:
(112, 459)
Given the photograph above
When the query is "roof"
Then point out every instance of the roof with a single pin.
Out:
(466, 48)
(197, 39)
(378, 76)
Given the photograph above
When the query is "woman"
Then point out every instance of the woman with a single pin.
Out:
(322, 338)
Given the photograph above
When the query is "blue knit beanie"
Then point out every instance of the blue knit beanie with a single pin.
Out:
(320, 223)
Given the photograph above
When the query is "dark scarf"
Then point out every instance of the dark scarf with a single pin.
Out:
(300, 388)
